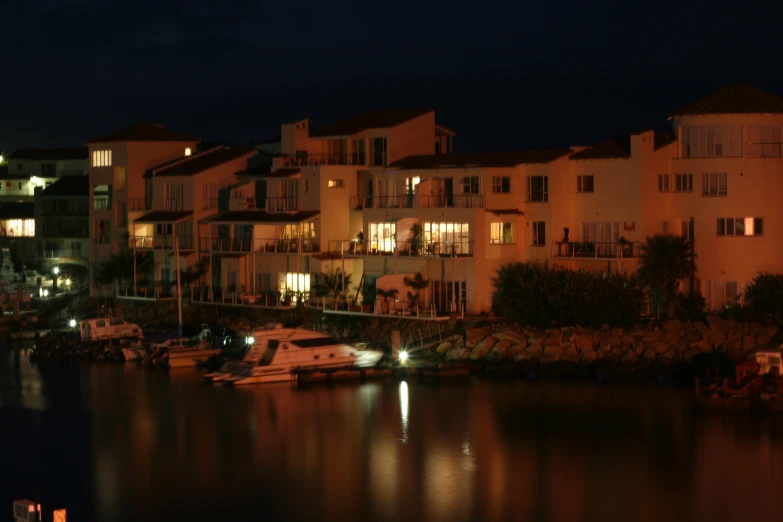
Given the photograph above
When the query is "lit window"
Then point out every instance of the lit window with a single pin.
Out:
(101, 158)
(585, 183)
(19, 227)
(410, 184)
(748, 226)
(501, 185)
(120, 178)
(188, 152)
(501, 233)
(335, 183)
(383, 237)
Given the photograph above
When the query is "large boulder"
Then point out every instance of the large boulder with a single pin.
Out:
(458, 354)
(583, 342)
(475, 336)
(498, 352)
(534, 351)
(650, 354)
(515, 349)
(661, 347)
(673, 326)
(482, 348)
(653, 336)
(629, 358)
(554, 337)
(701, 346)
(587, 357)
(569, 353)
(444, 347)
(552, 349)
(714, 322)
(509, 334)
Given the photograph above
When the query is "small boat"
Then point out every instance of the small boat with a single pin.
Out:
(180, 353)
(277, 354)
(757, 387)
(101, 329)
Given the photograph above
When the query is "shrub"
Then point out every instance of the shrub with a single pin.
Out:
(531, 294)
(691, 307)
(764, 295)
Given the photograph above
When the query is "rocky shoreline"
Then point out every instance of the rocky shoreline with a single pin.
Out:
(659, 346)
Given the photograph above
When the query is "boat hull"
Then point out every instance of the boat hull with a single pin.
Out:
(131, 354)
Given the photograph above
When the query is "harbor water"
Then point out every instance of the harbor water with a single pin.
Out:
(115, 442)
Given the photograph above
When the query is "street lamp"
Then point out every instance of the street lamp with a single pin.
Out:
(56, 272)
(72, 323)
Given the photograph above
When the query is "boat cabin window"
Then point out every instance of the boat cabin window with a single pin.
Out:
(269, 353)
(117, 321)
(318, 342)
(101, 323)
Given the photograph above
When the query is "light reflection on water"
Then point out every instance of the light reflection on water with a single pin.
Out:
(141, 445)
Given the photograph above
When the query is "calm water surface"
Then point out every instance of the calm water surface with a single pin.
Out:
(118, 443)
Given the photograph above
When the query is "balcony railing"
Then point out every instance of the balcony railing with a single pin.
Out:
(452, 201)
(139, 204)
(350, 247)
(595, 250)
(302, 160)
(101, 204)
(67, 232)
(269, 246)
(160, 243)
(282, 204)
(404, 201)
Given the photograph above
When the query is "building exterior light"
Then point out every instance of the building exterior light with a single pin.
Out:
(249, 340)
(56, 270)
(188, 151)
(72, 323)
(403, 357)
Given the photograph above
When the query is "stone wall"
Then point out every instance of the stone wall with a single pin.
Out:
(666, 343)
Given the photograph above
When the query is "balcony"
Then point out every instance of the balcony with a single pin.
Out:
(66, 232)
(259, 246)
(405, 201)
(282, 205)
(69, 209)
(303, 160)
(139, 204)
(441, 249)
(101, 204)
(159, 243)
(595, 250)
(52, 254)
(452, 201)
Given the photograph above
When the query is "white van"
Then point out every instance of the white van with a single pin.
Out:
(100, 329)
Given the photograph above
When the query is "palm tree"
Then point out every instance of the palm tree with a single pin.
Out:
(119, 267)
(331, 284)
(417, 283)
(391, 293)
(665, 260)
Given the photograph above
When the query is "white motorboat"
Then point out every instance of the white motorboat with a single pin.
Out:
(275, 354)
(102, 329)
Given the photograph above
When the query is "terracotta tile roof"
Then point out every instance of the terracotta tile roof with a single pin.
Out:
(15, 210)
(68, 186)
(59, 154)
(192, 165)
(142, 132)
(164, 216)
(261, 216)
(663, 138)
(368, 120)
(618, 147)
(737, 99)
(490, 159)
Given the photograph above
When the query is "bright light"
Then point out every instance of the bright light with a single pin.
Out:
(1, 158)
(35, 180)
(67, 282)
(56, 270)
(404, 409)
(249, 340)
(403, 356)
(72, 323)
(46, 293)
(188, 152)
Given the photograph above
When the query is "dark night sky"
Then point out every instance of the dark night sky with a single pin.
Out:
(506, 77)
